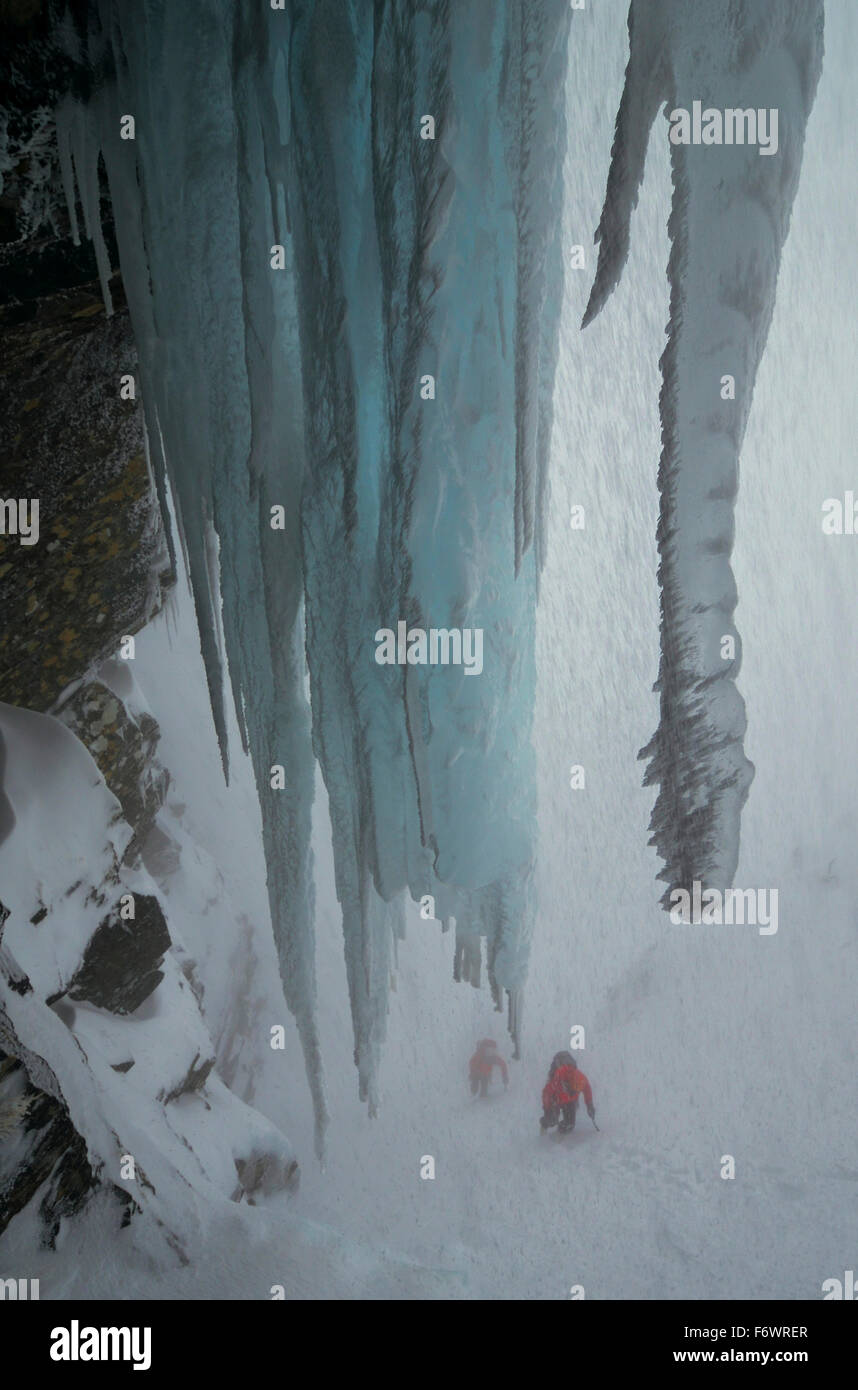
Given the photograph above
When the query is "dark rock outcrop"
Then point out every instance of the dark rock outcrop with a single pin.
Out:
(120, 967)
(48, 1151)
(98, 569)
(124, 747)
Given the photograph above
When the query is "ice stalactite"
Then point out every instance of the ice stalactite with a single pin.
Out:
(194, 201)
(728, 223)
(418, 508)
(324, 207)
(78, 142)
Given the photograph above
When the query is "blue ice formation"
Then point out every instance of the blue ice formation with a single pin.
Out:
(299, 255)
(728, 224)
(302, 251)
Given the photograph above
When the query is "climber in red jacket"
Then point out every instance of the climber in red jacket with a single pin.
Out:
(561, 1091)
(484, 1060)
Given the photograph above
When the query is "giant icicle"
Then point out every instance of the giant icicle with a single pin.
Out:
(196, 215)
(300, 387)
(728, 224)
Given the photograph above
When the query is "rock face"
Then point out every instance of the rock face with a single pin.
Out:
(106, 1055)
(123, 745)
(108, 1076)
(102, 1035)
(97, 572)
(99, 568)
(42, 1150)
(72, 435)
(120, 966)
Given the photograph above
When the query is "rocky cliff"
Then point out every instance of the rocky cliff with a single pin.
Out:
(112, 1077)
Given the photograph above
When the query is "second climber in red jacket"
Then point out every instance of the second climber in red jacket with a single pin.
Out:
(561, 1091)
(484, 1060)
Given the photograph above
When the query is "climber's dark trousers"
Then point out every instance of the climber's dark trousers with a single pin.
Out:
(481, 1084)
(564, 1113)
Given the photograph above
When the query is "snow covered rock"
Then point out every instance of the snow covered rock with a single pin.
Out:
(123, 742)
(42, 1155)
(108, 1074)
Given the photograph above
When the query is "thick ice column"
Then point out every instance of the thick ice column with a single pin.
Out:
(301, 252)
(729, 220)
(434, 262)
(196, 203)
